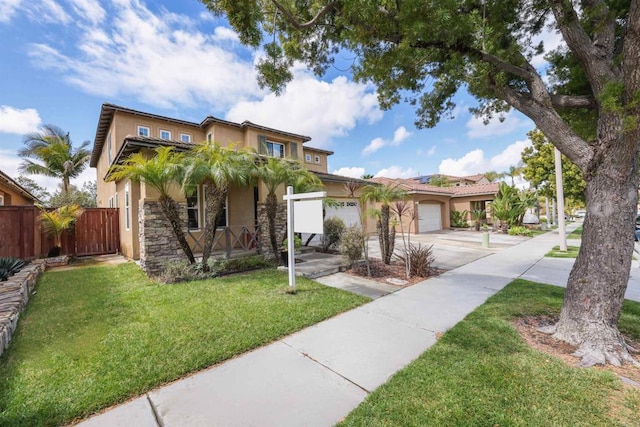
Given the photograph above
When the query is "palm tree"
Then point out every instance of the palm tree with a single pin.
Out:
(513, 172)
(159, 172)
(384, 195)
(439, 181)
(51, 153)
(56, 221)
(274, 172)
(493, 176)
(217, 168)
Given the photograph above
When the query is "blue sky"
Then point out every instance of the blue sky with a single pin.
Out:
(61, 59)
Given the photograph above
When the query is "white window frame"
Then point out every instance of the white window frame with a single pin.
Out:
(109, 149)
(148, 131)
(110, 202)
(307, 158)
(168, 132)
(209, 137)
(1, 199)
(127, 208)
(196, 207)
(204, 208)
(187, 139)
(272, 144)
(316, 159)
(115, 200)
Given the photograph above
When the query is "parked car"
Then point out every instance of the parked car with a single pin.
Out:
(580, 213)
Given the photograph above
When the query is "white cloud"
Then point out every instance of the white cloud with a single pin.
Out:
(400, 135)
(396, 172)
(474, 161)
(224, 33)
(354, 172)
(8, 9)
(308, 106)
(89, 9)
(158, 59)
(477, 129)
(14, 120)
(47, 11)
(373, 146)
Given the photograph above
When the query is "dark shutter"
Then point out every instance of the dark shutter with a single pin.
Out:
(294, 150)
(262, 144)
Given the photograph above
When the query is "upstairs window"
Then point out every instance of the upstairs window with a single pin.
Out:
(209, 137)
(165, 134)
(316, 159)
(144, 131)
(307, 158)
(185, 137)
(275, 149)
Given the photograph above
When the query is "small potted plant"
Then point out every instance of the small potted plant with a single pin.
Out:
(284, 249)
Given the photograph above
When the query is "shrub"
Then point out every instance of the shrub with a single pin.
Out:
(245, 263)
(458, 218)
(420, 259)
(333, 230)
(182, 271)
(352, 243)
(9, 266)
(520, 231)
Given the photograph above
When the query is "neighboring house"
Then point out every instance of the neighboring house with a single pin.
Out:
(13, 194)
(433, 204)
(122, 131)
(455, 181)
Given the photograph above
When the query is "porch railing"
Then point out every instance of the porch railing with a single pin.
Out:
(228, 240)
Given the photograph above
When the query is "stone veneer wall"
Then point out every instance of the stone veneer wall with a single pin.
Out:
(14, 295)
(264, 245)
(158, 244)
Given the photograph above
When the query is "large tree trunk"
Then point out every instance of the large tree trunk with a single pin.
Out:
(170, 210)
(214, 198)
(385, 214)
(598, 280)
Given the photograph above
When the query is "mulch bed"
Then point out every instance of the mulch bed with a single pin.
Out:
(381, 272)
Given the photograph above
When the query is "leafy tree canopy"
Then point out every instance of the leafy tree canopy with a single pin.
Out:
(539, 169)
(85, 197)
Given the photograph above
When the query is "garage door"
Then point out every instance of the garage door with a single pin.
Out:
(429, 217)
(347, 211)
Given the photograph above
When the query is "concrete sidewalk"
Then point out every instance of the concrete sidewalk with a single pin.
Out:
(317, 376)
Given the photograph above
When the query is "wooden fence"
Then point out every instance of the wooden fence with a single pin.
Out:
(96, 232)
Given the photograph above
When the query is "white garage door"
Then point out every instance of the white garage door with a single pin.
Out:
(347, 211)
(429, 217)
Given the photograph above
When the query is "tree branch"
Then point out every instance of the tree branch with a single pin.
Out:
(299, 25)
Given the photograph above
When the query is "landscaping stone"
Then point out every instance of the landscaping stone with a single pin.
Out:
(57, 261)
(14, 295)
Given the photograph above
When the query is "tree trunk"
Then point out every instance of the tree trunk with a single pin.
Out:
(215, 198)
(271, 205)
(385, 213)
(170, 210)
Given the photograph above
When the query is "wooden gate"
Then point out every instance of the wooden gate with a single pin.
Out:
(96, 232)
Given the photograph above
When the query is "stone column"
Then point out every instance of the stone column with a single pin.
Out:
(158, 244)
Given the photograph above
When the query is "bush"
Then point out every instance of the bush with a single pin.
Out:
(458, 218)
(333, 230)
(420, 258)
(235, 265)
(520, 231)
(182, 271)
(352, 243)
(9, 266)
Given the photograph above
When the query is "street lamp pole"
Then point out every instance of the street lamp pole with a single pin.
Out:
(560, 197)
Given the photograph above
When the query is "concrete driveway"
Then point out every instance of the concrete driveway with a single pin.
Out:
(454, 248)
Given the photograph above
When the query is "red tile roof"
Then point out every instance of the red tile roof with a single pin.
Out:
(413, 186)
(476, 189)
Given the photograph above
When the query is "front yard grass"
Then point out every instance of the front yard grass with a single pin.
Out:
(482, 373)
(571, 252)
(96, 336)
(576, 234)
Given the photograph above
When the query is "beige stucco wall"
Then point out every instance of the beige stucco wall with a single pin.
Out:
(129, 242)
(312, 165)
(226, 135)
(12, 197)
(464, 203)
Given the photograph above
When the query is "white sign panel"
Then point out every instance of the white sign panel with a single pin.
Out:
(308, 216)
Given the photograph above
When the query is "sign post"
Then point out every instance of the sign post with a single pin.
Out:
(310, 205)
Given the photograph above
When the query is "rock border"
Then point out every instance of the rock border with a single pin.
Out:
(14, 296)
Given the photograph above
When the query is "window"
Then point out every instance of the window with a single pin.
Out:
(193, 210)
(307, 158)
(144, 131)
(185, 137)
(127, 208)
(1, 199)
(316, 159)
(109, 147)
(223, 220)
(209, 137)
(110, 202)
(275, 149)
(165, 134)
(115, 200)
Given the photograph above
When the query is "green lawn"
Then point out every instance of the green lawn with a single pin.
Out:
(481, 373)
(571, 252)
(96, 336)
(575, 234)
